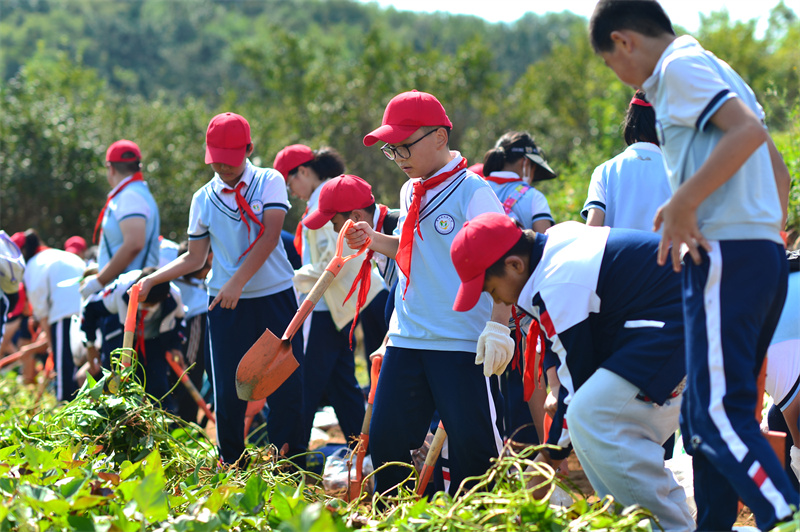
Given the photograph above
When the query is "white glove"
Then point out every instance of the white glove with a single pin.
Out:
(794, 454)
(90, 286)
(495, 348)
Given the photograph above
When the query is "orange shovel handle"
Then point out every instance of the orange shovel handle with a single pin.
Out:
(130, 324)
(178, 368)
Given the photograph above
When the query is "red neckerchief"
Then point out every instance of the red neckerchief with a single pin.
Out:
(136, 177)
(502, 180)
(298, 235)
(365, 275)
(534, 361)
(244, 212)
(403, 257)
(139, 346)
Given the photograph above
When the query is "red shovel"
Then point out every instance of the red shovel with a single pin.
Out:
(269, 362)
(363, 439)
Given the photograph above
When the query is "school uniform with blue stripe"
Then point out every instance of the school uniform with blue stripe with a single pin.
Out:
(732, 300)
(429, 363)
(267, 302)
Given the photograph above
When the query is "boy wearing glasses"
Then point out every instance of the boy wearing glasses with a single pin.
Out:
(434, 354)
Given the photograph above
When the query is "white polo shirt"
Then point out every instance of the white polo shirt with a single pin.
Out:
(215, 215)
(630, 188)
(690, 84)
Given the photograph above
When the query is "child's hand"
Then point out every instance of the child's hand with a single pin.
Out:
(551, 403)
(228, 295)
(679, 220)
(359, 235)
(145, 285)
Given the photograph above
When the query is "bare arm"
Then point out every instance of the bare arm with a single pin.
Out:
(230, 292)
(743, 134)
(134, 233)
(596, 217)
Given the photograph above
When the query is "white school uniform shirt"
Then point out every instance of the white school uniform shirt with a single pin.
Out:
(134, 201)
(43, 273)
(783, 356)
(216, 216)
(425, 319)
(630, 188)
(690, 84)
(326, 230)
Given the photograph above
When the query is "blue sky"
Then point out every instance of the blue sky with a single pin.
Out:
(685, 13)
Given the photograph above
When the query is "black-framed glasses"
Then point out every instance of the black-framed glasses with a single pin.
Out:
(403, 150)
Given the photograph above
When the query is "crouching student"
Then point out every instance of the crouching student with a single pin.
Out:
(348, 197)
(159, 328)
(613, 318)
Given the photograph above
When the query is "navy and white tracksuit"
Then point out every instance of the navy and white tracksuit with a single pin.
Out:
(613, 318)
(429, 362)
(733, 299)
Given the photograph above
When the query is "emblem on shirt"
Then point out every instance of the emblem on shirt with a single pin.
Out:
(444, 224)
(257, 207)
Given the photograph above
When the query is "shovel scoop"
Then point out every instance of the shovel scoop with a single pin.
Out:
(270, 361)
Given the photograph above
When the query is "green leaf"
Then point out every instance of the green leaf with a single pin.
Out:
(252, 500)
(72, 487)
(152, 464)
(81, 523)
(151, 499)
(5, 452)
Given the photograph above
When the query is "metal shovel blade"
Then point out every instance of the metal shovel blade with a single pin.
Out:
(265, 366)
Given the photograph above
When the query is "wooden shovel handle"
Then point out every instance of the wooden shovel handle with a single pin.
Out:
(430, 460)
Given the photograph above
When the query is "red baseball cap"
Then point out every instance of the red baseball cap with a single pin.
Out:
(291, 157)
(227, 138)
(340, 194)
(479, 244)
(115, 152)
(406, 113)
(75, 244)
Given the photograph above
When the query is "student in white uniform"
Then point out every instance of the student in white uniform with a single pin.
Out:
(730, 194)
(54, 302)
(239, 213)
(627, 190)
(437, 359)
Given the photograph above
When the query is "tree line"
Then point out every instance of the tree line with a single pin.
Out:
(79, 75)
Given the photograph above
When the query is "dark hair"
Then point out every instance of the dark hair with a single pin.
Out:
(159, 292)
(496, 159)
(643, 16)
(370, 210)
(31, 245)
(327, 163)
(129, 167)
(522, 248)
(640, 123)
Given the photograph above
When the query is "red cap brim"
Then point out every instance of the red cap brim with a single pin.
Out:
(390, 134)
(469, 293)
(229, 156)
(317, 219)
